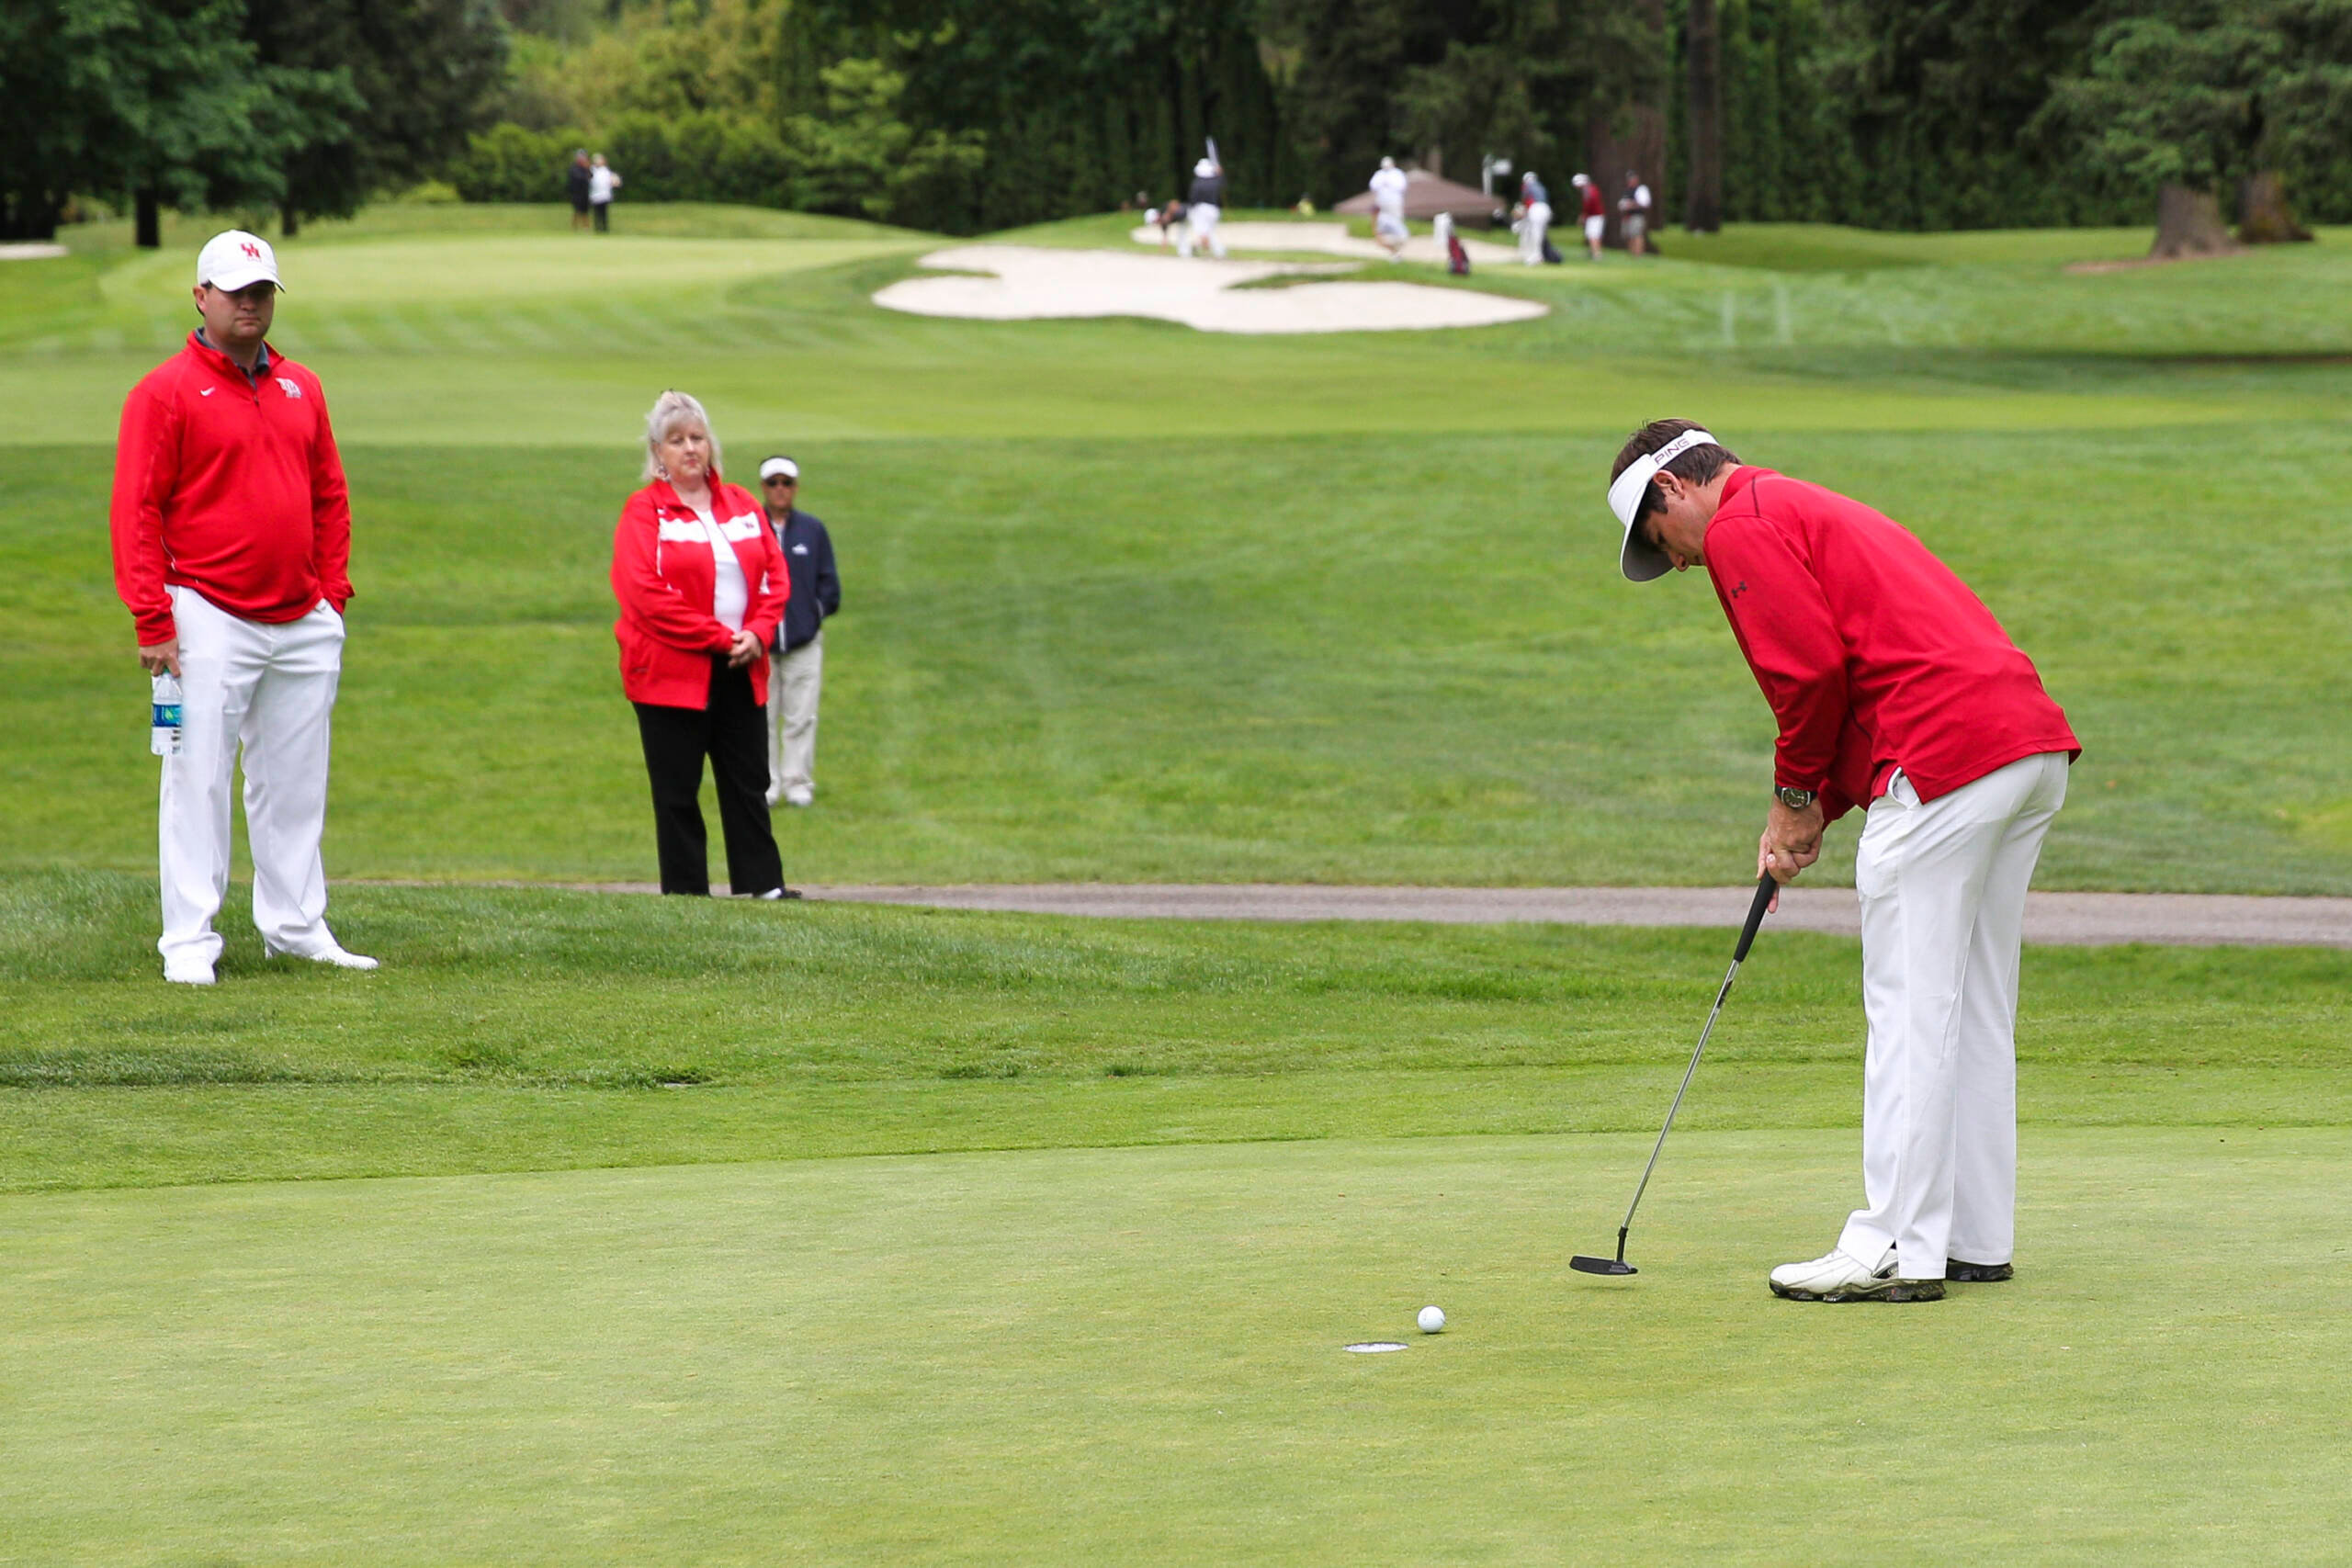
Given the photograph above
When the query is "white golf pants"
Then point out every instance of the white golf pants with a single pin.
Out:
(796, 680)
(1942, 886)
(1532, 230)
(269, 690)
(1199, 229)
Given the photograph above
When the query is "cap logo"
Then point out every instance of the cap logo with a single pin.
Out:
(251, 249)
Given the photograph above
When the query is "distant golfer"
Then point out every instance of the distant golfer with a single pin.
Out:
(231, 543)
(602, 182)
(796, 672)
(1203, 206)
(1536, 219)
(702, 589)
(1388, 185)
(1595, 214)
(1634, 214)
(576, 183)
(1896, 691)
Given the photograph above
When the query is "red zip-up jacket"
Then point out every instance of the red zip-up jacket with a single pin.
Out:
(665, 577)
(229, 484)
(1874, 655)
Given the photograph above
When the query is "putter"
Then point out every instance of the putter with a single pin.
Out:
(1764, 890)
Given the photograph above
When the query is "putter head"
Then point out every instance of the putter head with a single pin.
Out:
(1602, 1265)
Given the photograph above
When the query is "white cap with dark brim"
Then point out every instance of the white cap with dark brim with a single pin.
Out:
(235, 259)
(1637, 558)
(775, 466)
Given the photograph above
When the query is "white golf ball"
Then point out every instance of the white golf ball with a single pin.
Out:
(1431, 1319)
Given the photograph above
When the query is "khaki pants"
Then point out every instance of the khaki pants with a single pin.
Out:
(795, 679)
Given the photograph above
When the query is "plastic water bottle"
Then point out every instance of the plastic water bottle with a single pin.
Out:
(165, 738)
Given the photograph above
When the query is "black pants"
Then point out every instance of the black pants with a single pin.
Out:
(733, 731)
(604, 211)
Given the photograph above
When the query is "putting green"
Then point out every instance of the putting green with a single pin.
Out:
(1089, 1357)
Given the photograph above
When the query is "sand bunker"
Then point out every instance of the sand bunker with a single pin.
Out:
(1333, 239)
(30, 251)
(1026, 284)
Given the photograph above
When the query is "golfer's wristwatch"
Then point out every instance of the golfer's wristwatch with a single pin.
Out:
(1795, 799)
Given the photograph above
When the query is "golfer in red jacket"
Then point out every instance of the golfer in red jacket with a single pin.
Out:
(702, 587)
(232, 536)
(1896, 691)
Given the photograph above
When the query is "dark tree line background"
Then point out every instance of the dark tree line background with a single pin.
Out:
(970, 115)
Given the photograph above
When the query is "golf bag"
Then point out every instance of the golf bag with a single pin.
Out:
(1457, 260)
(1551, 252)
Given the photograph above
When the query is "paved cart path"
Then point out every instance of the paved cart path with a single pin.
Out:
(2093, 920)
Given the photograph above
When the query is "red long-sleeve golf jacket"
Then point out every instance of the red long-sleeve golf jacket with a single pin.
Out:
(664, 576)
(1874, 655)
(229, 484)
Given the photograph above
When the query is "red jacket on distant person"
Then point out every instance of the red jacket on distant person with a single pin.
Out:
(1874, 655)
(1593, 206)
(229, 484)
(664, 576)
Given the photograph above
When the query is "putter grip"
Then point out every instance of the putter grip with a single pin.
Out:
(1764, 890)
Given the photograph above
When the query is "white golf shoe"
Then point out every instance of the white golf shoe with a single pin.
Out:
(1842, 1277)
(775, 796)
(188, 972)
(800, 794)
(332, 953)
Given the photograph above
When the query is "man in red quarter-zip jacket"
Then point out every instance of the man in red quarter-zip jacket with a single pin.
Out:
(1896, 692)
(231, 539)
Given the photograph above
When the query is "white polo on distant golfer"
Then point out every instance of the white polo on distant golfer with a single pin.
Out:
(231, 533)
(1388, 185)
(1203, 206)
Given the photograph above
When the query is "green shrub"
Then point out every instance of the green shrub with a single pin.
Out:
(507, 162)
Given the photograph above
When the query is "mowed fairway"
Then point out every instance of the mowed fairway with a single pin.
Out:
(612, 1230)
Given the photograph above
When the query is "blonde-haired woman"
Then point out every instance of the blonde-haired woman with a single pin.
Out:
(702, 588)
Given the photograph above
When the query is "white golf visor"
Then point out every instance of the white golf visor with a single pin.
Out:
(1635, 557)
(775, 466)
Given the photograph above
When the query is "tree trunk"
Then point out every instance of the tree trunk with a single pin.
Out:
(1640, 146)
(149, 222)
(2264, 217)
(2189, 223)
(1704, 211)
(289, 220)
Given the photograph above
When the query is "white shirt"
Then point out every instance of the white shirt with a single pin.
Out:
(731, 596)
(1389, 190)
(601, 181)
(1642, 199)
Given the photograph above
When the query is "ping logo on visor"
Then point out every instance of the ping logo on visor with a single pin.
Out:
(1625, 494)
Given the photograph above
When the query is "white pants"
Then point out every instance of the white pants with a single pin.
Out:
(1942, 886)
(1531, 232)
(795, 681)
(1200, 228)
(270, 690)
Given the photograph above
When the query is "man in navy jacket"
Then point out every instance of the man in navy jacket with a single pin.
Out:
(799, 674)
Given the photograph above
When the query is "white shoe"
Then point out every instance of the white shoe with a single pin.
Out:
(1842, 1277)
(775, 796)
(189, 972)
(332, 953)
(800, 794)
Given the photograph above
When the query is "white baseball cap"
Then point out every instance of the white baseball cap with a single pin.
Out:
(1637, 558)
(775, 466)
(236, 259)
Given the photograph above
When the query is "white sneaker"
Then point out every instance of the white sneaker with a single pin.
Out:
(188, 972)
(1841, 1277)
(332, 953)
(800, 794)
(775, 796)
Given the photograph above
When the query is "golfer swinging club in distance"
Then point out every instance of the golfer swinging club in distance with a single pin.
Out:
(1896, 691)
